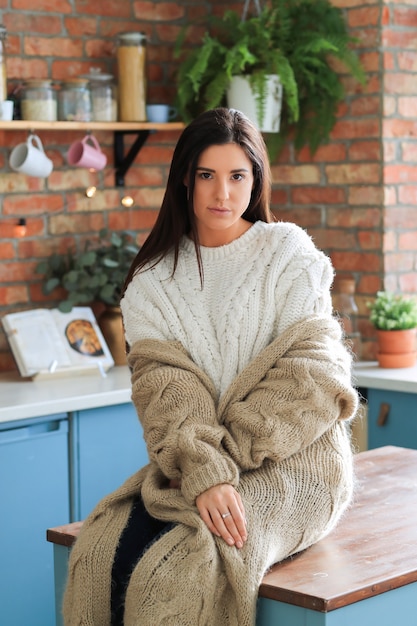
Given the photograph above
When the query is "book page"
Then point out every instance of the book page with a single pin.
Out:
(82, 337)
(35, 337)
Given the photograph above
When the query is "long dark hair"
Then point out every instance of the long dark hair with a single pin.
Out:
(176, 216)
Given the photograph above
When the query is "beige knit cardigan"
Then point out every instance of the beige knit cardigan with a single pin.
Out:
(278, 434)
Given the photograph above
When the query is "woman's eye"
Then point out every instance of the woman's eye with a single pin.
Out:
(205, 175)
(237, 177)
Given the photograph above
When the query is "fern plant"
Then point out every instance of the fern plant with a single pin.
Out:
(295, 39)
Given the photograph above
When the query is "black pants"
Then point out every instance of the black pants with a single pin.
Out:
(139, 533)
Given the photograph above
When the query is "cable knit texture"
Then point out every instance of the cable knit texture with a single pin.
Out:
(280, 426)
(243, 380)
(254, 288)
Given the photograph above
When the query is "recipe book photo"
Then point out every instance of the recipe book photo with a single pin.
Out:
(45, 342)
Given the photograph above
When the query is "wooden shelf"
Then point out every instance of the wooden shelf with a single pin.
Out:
(122, 162)
(86, 126)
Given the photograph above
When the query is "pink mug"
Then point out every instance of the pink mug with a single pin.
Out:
(83, 154)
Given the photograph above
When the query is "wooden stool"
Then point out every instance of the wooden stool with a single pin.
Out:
(364, 572)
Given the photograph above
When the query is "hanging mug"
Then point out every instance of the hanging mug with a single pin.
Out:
(83, 154)
(29, 158)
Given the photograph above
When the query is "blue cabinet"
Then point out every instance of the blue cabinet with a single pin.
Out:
(107, 446)
(392, 418)
(34, 494)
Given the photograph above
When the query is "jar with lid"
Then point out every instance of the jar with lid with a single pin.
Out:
(103, 96)
(74, 101)
(346, 309)
(3, 72)
(131, 54)
(38, 101)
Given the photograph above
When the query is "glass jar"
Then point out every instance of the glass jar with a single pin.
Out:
(103, 96)
(346, 310)
(131, 54)
(38, 101)
(74, 101)
(3, 72)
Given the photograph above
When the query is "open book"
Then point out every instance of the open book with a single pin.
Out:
(47, 342)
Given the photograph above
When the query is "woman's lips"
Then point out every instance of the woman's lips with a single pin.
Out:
(218, 210)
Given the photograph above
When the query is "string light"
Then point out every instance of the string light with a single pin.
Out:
(127, 201)
(20, 228)
(90, 192)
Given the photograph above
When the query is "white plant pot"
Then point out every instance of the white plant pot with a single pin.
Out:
(241, 97)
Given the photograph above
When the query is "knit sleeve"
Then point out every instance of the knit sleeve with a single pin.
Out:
(307, 389)
(175, 403)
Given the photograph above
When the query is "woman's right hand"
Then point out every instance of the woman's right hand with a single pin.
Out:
(221, 508)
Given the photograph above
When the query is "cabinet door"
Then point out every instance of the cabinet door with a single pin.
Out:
(392, 419)
(34, 495)
(107, 447)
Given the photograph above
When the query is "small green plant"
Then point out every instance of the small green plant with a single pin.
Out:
(296, 39)
(393, 312)
(95, 275)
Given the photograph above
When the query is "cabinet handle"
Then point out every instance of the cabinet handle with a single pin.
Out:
(384, 409)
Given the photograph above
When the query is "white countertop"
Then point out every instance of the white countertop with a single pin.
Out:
(369, 374)
(22, 399)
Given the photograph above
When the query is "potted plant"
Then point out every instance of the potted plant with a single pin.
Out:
(298, 40)
(395, 320)
(95, 275)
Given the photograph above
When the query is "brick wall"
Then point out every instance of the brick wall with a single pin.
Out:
(355, 196)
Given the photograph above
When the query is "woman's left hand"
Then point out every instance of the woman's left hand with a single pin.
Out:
(221, 508)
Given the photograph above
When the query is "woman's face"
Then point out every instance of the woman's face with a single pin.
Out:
(223, 186)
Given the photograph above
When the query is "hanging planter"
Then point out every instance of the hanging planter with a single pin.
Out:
(262, 106)
(297, 40)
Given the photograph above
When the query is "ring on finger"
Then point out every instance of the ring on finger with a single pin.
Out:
(224, 515)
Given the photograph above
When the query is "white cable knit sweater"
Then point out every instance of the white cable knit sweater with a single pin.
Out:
(254, 288)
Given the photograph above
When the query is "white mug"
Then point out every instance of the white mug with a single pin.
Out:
(160, 113)
(29, 158)
(6, 110)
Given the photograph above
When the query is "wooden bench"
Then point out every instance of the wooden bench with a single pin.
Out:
(365, 572)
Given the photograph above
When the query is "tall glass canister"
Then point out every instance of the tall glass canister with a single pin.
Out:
(3, 72)
(131, 57)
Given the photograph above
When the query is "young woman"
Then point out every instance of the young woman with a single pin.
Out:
(242, 385)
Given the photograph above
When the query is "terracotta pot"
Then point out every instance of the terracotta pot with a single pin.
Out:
(396, 348)
(111, 324)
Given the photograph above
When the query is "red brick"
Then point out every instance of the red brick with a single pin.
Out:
(365, 151)
(23, 68)
(331, 152)
(317, 195)
(407, 61)
(404, 16)
(16, 271)
(407, 241)
(306, 218)
(16, 294)
(136, 219)
(279, 197)
(399, 128)
(407, 106)
(401, 217)
(76, 223)
(399, 262)
(394, 174)
(369, 239)
(42, 5)
(400, 83)
(6, 247)
(353, 173)
(31, 23)
(365, 195)
(158, 11)
(367, 16)
(112, 8)
(53, 46)
(365, 105)
(408, 195)
(355, 218)
(81, 26)
(408, 283)
(300, 174)
(334, 239)
(19, 204)
(355, 129)
(356, 261)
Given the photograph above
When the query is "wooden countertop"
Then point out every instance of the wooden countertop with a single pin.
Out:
(372, 550)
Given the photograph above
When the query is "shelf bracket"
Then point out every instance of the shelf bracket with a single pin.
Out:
(122, 162)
